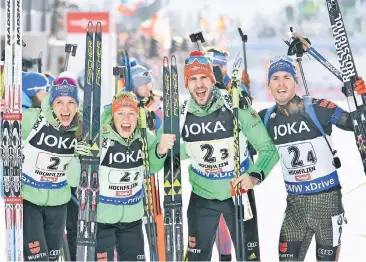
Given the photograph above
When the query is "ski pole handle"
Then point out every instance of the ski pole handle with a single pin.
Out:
(196, 37)
(244, 38)
(69, 49)
(305, 44)
(315, 54)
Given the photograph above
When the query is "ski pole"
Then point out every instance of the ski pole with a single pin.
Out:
(244, 39)
(127, 67)
(39, 62)
(128, 71)
(299, 54)
(297, 45)
(315, 54)
(117, 72)
(69, 49)
(195, 38)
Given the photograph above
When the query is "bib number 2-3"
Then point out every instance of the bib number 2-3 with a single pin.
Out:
(209, 149)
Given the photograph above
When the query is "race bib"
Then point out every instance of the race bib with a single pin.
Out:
(216, 151)
(121, 187)
(298, 155)
(117, 176)
(52, 163)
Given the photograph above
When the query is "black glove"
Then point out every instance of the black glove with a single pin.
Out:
(344, 90)
(259, 176)
(296, 48)
(220, 85)
(244, 100)
(151, 125)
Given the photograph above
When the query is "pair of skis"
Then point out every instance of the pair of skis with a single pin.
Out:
(11, 133)
(88, 190)
(173, 218)
(356, 102)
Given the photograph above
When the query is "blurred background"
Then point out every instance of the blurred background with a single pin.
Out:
(152, 29)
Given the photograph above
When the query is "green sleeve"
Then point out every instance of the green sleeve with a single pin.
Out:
(73, 172)
(155, 162)
(183, 153)
(29, 119)
(254, 129)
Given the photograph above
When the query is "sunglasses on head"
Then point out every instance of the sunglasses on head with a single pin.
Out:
(200, 59)
(283, 58)
(146, 73)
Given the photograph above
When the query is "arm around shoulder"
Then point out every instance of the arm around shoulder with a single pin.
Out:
(254, 129)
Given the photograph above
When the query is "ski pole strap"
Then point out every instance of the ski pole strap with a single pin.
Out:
(268, 115)
(336, 115)
(309, 108)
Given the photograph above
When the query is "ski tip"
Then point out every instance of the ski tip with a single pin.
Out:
(165, 61)
(98, 27)
(90, 27)
(174, 60)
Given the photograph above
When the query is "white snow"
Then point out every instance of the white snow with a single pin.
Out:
(270, 198)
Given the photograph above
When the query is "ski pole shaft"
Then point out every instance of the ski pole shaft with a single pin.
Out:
(244, 39)
(303, 75)
(117, 72)
(127, 74)
(39, 63)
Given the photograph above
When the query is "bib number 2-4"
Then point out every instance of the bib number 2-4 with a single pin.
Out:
(298, 155)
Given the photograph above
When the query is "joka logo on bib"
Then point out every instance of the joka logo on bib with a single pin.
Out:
(59, 142)
(289, 129)
(120, 157)
(203, 128)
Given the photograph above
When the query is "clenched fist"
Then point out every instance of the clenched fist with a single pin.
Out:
(166, 143)
(246, 182)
